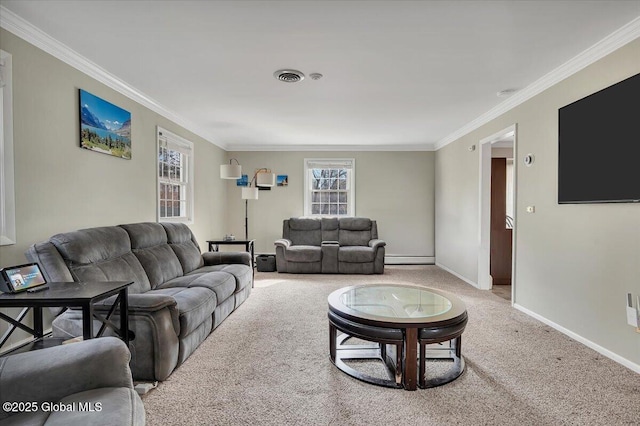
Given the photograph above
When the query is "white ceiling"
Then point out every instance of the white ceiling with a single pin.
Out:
(397, 74)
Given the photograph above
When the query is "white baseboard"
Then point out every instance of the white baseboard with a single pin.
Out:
(466, 280)
(611, 355)
(409, 260)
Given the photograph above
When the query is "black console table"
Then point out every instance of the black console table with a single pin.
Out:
(214, 245)
(69, 295)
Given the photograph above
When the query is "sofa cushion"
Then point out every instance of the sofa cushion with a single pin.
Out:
(184, 244)
(355, 231)
(355, 224)
(305, 231)
(101, 254)
(330, 229)
(354, 238)
(222, 284)
(304, 224)
(150, 246)
(356, 254)
(303, 254)
(118, 406)
(195, 305)
(242, 273)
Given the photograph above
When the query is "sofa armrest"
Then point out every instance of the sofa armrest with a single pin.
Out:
(140, 302)
(330, 257)
(53, 373)
(226, 257)
(283, 242)
(375, 244)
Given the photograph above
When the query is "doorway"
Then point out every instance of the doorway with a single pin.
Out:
(496, 256)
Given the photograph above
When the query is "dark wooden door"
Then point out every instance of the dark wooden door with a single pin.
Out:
(500, 236)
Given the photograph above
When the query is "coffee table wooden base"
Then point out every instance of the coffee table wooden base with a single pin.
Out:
(369, 352)
(394, 363)
(434, 353)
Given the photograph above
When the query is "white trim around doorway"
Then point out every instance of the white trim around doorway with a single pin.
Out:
(484, 215)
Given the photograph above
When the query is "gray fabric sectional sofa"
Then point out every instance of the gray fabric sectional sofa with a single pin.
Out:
(178, 297)
(48, 386)
(330, 245)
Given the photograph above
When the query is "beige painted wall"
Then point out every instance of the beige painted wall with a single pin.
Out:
(501, 152)
(394, 188)
(61, 187)
(575, 263)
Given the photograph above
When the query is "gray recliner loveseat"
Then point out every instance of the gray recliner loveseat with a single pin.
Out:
(330, 245)
(178, 297)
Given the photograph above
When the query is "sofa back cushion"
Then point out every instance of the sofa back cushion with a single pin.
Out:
(51, 262)
(303, 231)
(101, 254)
(149, 244)
(184, 245)
(330, 229)
(355, 231)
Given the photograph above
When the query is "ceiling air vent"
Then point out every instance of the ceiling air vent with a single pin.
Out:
(289, 76)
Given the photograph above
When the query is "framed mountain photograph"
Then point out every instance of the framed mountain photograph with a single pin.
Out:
(104, 127)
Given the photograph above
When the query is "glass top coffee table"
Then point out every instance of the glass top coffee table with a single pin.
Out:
(403, 327)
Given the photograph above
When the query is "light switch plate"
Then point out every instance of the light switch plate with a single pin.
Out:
(632, 317)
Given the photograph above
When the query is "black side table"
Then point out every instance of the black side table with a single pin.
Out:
(69, 295)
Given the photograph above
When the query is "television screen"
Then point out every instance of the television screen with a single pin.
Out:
(599, 146)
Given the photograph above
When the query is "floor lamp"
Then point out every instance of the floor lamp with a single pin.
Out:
(231, 171)
(262, 177)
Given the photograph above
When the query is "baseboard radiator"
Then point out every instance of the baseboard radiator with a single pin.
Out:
(397, 259)
(409, 260)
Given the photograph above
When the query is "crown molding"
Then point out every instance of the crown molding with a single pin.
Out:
(30, 33)
(333, 148)
(609, 44)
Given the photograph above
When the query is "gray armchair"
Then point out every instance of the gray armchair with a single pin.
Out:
(90, 379)
(330, 245)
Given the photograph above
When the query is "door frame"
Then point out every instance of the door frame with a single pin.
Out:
(484, 226)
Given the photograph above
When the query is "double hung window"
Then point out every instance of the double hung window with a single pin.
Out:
(329, 187)
(175, 178)
(7, 197)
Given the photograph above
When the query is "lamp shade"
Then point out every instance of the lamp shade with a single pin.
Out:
(265, 179)
(230, 171)
(250, 193)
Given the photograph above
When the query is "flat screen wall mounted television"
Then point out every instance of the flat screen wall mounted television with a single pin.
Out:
(599, 146)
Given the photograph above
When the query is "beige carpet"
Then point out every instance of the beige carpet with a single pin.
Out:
(268, 364)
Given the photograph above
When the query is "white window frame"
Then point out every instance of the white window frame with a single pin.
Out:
(7, 194)
(349, 164)
(178, 144)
